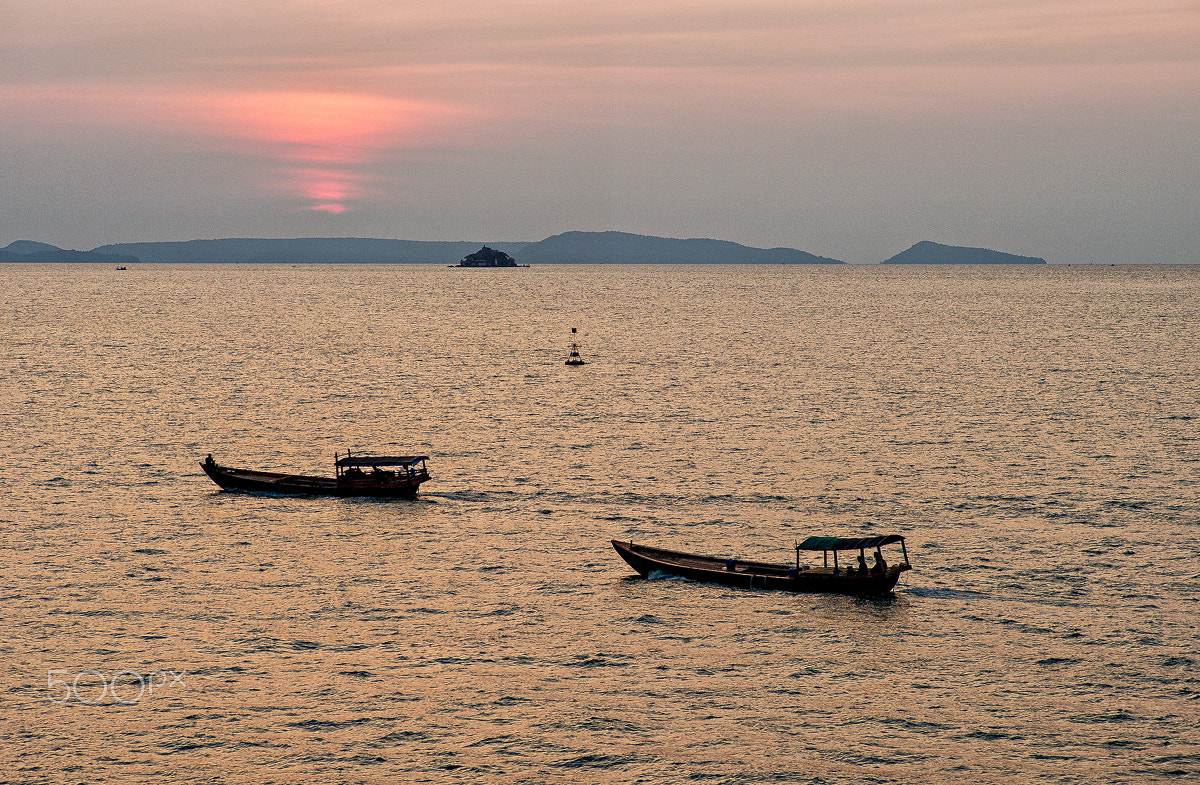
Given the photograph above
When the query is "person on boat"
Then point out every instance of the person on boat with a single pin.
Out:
(862, 564)
(880, 565)
(209, 460)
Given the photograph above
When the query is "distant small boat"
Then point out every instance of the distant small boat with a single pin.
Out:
(573, 357)
(836, 579)
(388, 476)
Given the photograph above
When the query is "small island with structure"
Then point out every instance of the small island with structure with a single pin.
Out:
(488, 257)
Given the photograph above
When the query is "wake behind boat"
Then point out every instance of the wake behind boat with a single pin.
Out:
(388, 476)
(862, 580)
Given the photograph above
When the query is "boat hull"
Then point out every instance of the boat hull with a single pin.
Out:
(647, 560)
(252, 481)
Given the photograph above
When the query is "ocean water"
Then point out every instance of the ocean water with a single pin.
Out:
(1033, 432)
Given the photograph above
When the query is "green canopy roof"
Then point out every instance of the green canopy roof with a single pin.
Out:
(381, 460)
(847, 543)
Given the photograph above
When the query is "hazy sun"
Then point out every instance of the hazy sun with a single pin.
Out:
(323, 143)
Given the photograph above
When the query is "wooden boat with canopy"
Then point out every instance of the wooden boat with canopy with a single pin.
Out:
(388, 476)
(836, 577)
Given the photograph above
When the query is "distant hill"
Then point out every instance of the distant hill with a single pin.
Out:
(29, 251)
(314, 250)
(622, 248)
(29, 246)
(926, 252)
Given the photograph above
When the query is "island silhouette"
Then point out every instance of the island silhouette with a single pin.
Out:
(927, 252)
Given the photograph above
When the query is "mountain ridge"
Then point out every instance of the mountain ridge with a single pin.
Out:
(574, 247)
(301, 250)
(626, 248)
(35, 252)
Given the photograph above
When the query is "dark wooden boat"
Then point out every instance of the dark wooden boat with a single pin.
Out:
(836, 578)
(359, 475)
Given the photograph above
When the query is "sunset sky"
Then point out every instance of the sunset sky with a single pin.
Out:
(1068, 129)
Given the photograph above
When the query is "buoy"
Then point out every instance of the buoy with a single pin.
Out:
(573, 357)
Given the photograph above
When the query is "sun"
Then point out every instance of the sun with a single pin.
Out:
(323, 144)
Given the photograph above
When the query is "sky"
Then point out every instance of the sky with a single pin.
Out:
(1066, 129)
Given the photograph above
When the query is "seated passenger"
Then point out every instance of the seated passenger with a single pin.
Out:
(880, 565)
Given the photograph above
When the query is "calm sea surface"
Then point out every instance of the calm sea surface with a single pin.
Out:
(1033, 431)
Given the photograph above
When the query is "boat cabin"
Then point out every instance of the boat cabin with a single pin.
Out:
(834, 545)
(380, 468)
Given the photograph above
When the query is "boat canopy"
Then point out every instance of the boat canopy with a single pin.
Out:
(381, 460)
(847, 543)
